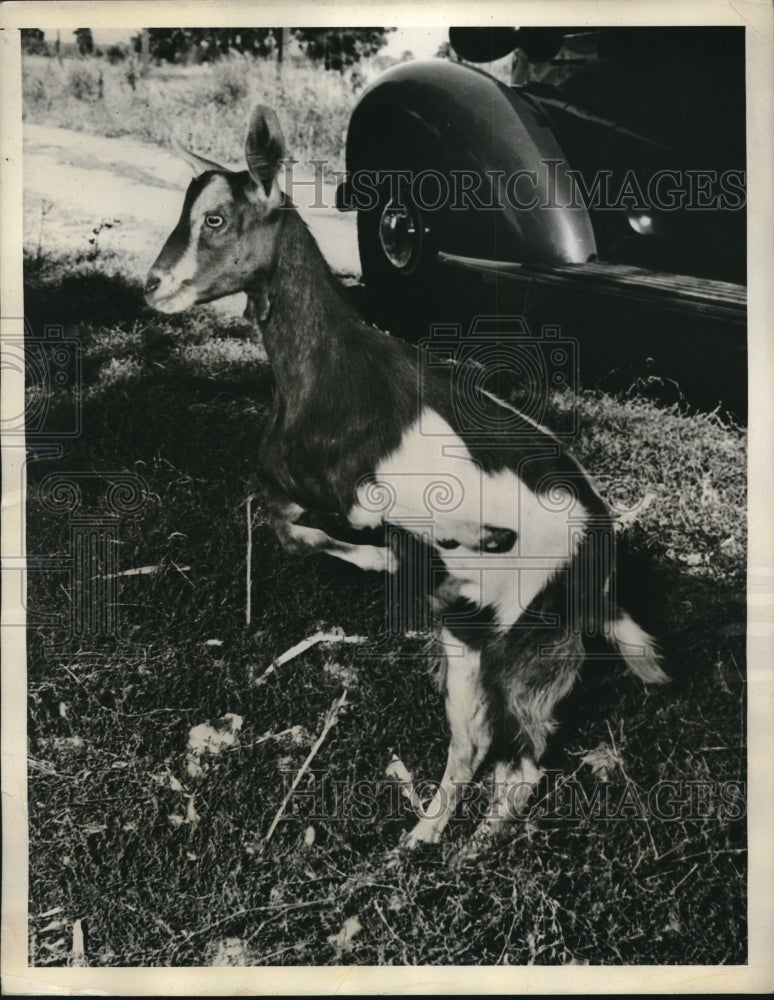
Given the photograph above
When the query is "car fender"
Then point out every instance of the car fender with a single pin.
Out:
(456, 118)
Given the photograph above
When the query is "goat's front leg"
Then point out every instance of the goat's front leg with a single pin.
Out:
(471, 736)
(512, 788)
(299, 538)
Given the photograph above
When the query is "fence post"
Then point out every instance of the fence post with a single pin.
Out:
(144, 52)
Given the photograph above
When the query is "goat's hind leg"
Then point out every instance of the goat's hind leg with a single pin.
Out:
(467, 710)
(301, 538)
(532, 675)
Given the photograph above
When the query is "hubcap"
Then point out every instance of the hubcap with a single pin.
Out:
(400, 233)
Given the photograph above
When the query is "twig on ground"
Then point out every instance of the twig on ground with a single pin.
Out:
(629, 781)
(628, 517)
(78, 954)
(400, 940)
(301, 647)
(330, 721)
(686, 876)
(182, 570)
(148, 571)
(249, 562)
(271, 736)
(507, 942)
(281, 951)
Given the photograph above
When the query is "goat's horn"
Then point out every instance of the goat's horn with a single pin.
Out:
(264, 146)
(197, 163)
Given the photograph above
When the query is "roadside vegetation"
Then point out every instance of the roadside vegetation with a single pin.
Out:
(202, 106)
(160, 754)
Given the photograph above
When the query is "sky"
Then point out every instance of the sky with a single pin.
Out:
(423, 42)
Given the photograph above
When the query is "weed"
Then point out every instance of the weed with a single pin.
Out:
(34, 91)
(83, 84)
(93, 254)
(230, 81)
(116, 54)
(36, 263)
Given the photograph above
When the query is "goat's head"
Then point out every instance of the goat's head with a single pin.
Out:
(227, 238)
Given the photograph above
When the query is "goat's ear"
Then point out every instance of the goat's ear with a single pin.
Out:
(264, 147)
(197, 163)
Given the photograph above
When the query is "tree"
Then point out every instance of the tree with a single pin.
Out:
(335, 48)
(169, 44)
(32, 42)
(338, 48)
(208, 44)
(84, 41)
(445, 51)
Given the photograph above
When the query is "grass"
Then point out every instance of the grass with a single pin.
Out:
(202, 106)
(163, 868)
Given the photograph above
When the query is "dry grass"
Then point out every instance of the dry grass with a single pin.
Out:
(163, 868)
(203, 106)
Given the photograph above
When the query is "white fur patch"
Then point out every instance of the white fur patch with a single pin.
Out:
(178, 290)
(638, 650)
(431, 483)
(471, 735)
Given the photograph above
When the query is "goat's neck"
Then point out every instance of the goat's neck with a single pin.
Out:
(307, 315)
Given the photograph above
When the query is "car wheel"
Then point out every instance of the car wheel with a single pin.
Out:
(398, 241)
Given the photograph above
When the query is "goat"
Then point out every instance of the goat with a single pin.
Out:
(361, 430)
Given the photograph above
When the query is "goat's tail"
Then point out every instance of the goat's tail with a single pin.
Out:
(638, 650)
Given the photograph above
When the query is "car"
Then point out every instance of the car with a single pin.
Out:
(602, 191)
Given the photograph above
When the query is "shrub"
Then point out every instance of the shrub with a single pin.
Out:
(116, 54)
(35, 92)
(230, 82)
(82, 84)
(33, 42)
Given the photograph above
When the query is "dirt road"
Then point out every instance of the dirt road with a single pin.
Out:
(74, 182)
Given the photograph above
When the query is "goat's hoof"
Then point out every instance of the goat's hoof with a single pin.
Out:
(466, 854)
(397, 855)
(419, 835)
(479, 845)
(393, 858)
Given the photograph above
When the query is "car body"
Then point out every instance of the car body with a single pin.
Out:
(617, 177)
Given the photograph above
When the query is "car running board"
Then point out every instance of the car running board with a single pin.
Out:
(722, 299)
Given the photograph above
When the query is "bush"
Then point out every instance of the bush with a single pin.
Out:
(35, 92)
(33, 42)
(116, 54)
(82, 84)
(230, 82)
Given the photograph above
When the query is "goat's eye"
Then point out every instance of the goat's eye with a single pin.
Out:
(214, 221)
